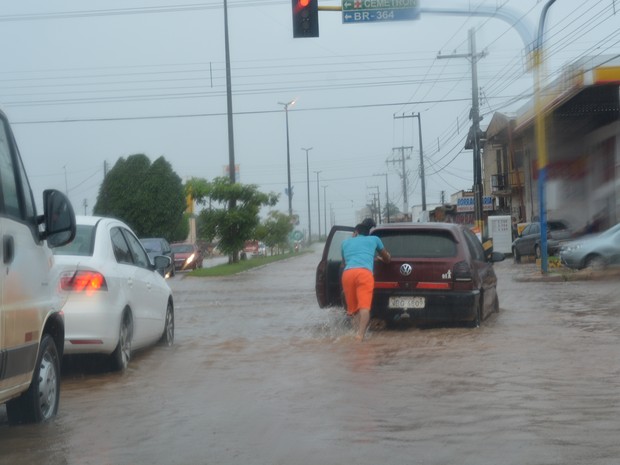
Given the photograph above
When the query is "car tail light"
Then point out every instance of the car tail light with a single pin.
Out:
(83, 281)
(462, 272)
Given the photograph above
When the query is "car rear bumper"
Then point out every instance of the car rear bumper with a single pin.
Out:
(458, 306)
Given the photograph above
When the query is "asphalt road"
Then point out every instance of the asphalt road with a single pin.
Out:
(260, 375)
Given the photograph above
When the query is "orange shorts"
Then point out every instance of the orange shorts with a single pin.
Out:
(358, 285)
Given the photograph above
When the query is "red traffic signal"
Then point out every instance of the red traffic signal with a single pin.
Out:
(305, 18)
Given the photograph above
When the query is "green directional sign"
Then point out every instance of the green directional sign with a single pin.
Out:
(363, 11)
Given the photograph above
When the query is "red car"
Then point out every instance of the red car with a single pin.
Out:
(187, 256)
(439, 273)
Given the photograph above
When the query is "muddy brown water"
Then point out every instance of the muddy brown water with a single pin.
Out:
(260, 375)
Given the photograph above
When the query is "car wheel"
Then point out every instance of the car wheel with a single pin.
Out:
(516, 255)
(475, 323)
(40, 401)
(122, 353)
(496, 304)
(167, 337)
(595, 262)
(537, 252)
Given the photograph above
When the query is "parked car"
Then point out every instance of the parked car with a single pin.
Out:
(116, 300)
(187, 256)
(528, 241)
(593, 251)
(31, 323)
(439, 273)
(159, 246)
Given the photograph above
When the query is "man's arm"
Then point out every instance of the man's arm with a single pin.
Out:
(385, 256)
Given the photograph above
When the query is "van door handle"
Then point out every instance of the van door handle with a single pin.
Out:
(8, 249)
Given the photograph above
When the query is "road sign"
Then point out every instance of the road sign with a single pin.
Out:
(364, 11)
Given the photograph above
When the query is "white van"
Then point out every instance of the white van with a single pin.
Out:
(31, 324)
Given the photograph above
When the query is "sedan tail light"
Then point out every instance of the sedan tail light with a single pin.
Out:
(462, 272)
(83, 281)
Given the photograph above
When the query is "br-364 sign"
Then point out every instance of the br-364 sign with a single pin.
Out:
(361, 11)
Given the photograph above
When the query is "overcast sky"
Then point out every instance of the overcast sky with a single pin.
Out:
(88, 82)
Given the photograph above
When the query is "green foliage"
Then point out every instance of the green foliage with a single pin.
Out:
(393, 210)
(232, 214)
(274, 231)
(148, 197)
(243, 265)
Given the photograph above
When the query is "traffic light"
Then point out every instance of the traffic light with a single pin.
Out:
(305, 18)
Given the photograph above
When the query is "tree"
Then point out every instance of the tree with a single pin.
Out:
(148, 197)
(392, 209)
(274, 230)
(232, 214)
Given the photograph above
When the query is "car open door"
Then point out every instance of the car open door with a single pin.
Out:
(328, 287)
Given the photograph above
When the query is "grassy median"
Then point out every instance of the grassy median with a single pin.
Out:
(228, 269)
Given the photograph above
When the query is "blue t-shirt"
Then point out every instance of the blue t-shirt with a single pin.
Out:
(359, 251)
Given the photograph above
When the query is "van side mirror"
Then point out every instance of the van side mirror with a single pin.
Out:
(58, 219)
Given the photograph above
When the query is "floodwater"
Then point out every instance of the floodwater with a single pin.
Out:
(260, 375)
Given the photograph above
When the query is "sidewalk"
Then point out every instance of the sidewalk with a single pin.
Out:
(531, 272)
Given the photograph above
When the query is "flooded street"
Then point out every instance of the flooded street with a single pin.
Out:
(260, 375)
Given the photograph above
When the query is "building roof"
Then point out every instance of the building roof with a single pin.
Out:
(575, 78)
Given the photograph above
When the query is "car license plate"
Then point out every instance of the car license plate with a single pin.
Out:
(407, 302)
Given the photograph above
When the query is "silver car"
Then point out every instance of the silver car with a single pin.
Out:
(594, 251)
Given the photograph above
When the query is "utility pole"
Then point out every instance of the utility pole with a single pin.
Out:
(318, 201)
(377, 202)
(473, 56)
(308, 183)
(403, 174)
(325, 208)
(421, 170)
(387, 196)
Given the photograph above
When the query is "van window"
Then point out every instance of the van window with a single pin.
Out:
(8, 183)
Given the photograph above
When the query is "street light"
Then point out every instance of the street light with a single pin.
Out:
(288, 159)
(308, 182)
(318, 201)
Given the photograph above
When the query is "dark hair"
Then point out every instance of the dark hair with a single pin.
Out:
(369, 223)
(362, 229)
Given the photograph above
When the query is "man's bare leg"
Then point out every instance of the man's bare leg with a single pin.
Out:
(364, 320)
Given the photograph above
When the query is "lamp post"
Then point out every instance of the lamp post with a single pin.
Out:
(318, 201)
(308, 182)
(289, 192)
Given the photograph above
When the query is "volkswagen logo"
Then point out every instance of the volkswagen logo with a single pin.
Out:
(405, 269)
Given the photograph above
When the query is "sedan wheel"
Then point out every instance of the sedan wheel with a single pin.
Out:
(122, 353)
(167, 338)
(516, 255)
(537, 251)
(595, 262)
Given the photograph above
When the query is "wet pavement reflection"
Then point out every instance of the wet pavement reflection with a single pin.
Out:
(260, 375)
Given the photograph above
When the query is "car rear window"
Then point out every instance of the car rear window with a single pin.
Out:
(81, 245)
(419, 244)
(182, 248)
(556, 226)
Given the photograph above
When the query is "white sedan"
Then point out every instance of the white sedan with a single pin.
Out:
(116, 299)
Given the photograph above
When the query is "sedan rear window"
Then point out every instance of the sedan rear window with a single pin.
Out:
(81, 245)
(419, 244)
